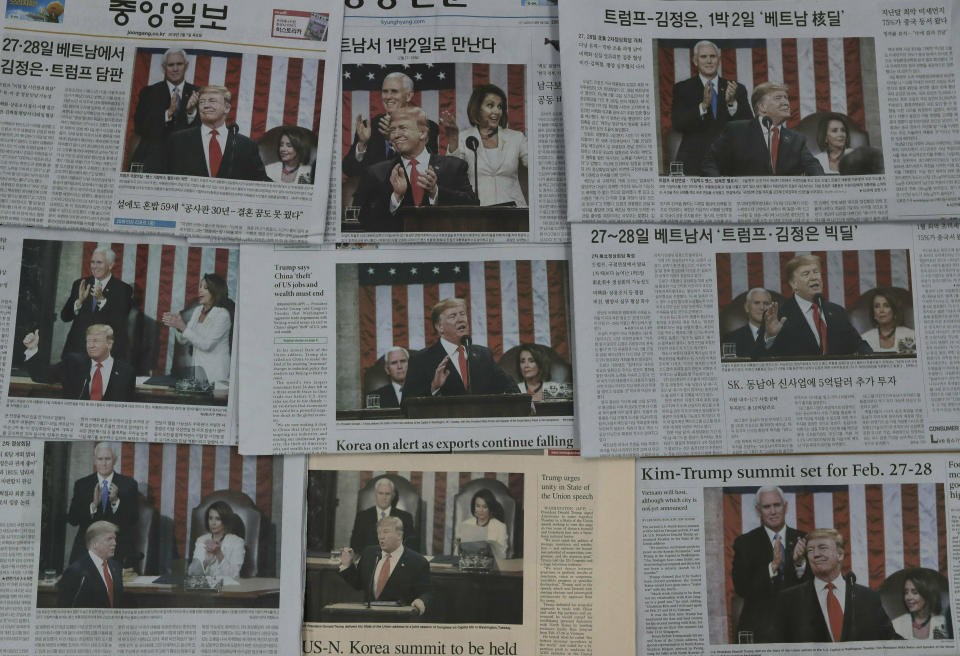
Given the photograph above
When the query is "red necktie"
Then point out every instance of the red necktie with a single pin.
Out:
(463, 367)
(821, 328)
(109, 579)
(417, 189)
(384, 575)
(96, 387)
(774, 146)
(215, 154)
(834, 612)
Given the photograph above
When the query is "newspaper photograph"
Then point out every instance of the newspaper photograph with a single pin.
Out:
(450, 127)
(187, 119)
(792, 549)
(131, 339)
(410, 554)
(724, 113)
(376, 349)
(765, 339)
(148, 548)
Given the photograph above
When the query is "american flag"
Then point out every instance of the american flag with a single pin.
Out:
(510, 302)
(847, 274)
(268, 91)
(886, 527)
(437, 88)
(822, 74)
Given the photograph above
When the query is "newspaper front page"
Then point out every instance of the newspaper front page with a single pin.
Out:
(739, 547)
(531, 555)
(722, 112)
(131, 339)
(356, 349)
(119, 100)
(191, 537)
(487, 77)
(772, 339)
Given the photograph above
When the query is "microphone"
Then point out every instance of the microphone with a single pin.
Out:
(76, 594)
(768, 123)
(473, 143)
(818, 299)
(465, 341)
(232, 131)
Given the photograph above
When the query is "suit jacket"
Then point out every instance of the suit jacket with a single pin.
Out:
(374, 191)
(743, 338)
(410, 579)
(73, 373)
(241, 158)
(752, 554)
(797, 338)
(741, 149)
(126, 517)
(699, 133)
(486, 376)
(799, 618)
(500, 183)
(377, 152)
(82, 585)
(388, 396)
(365, 529)
(151, 124)
(115, 312)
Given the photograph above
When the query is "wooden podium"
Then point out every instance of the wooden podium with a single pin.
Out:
(468, 406)
(465, 218)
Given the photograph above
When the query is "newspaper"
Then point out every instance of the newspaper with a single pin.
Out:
(704, 340)
(132, 339)
(703, 555)
(348, 349)
(448, 59)
(659, 133)
(106, 97)
(550, 573)
(165, 503)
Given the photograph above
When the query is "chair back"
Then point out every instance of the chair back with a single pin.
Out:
(462, 510)
(250, 525)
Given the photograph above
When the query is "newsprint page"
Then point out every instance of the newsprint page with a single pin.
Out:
(101, 337)
(531, 554)
(167, 594)
(355, 350)
(766, 339)
(472, 93)
(706, 112)
(174, 118)
(845, 554)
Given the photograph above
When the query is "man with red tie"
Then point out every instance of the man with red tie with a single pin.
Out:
(807, 324)
(95, 580)
(763, 145)
(214, 149)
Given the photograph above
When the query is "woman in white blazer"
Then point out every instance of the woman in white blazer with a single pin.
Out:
(500, 150)
(294, 164)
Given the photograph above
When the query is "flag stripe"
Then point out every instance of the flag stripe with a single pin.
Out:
(873, 495)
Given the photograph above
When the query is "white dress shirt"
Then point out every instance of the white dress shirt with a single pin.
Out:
(398, 390)
(840, 591)
(451, 350)
(423, 165)
(100, 479)
(178, 89)
(98, 563)
(104, 372)
(787, 557)
(721, 100)
(206, 135)
(103, 285)
(807, 308)
(394, 559)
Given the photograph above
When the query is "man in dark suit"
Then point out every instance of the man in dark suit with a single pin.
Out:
(95, 580)
(212, 149)
(764, 145)
(371, 141)
(808, 324)
(395, 364)
(100, 297)
(830, 607)
(163, 108)
(365, 525)
(439, 369)
(98, 376)
(745, 337)
(702, 105)
(389, 571)
(413, 178)
(766, 560)
(105, 495)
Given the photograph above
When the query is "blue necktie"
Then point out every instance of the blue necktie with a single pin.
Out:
(713, 99)
(104, 497)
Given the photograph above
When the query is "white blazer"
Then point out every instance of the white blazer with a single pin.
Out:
(498, 184)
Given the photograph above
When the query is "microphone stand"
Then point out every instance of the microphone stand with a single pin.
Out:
(768, 123)
(465, 341)
(473, 143)
(818, 299)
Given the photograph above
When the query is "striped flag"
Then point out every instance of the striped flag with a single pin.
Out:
(886, 527)
(438, 490)
(822, 74)
(510, 302)
(847, 275)
(164, 278)
(268, 91)
(437, 88)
